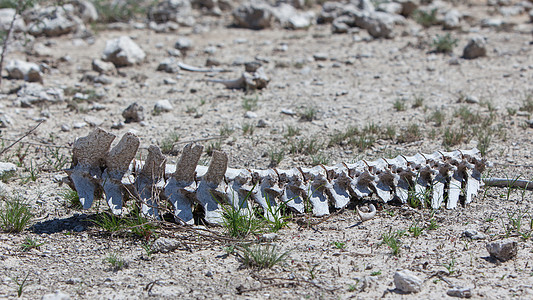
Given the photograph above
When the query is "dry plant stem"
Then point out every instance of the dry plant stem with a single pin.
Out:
(241, 290)
(4, 48)
(508, 183)
(25, 135)
(37, 144)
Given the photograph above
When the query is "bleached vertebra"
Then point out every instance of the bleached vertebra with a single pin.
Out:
(442, 177)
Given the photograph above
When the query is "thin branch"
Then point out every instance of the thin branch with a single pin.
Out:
(25, 135)
(6, 39)
(37, 144)
(508, 183)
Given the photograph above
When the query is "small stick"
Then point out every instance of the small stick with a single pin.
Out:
(510, 183)
(15, 142)
(37, 144)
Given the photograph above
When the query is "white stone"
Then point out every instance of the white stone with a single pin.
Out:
(406, 281)
(56, 296)
(6, 16)
(6, 167)
(163, 106)
(123, 51)
(165, 245)
(18, 69)
(103, 67)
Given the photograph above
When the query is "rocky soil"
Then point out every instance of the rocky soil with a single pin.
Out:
(326, 83)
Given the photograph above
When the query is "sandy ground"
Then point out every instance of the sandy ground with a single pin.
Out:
(358, 83)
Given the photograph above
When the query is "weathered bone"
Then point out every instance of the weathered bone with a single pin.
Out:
(248, 80)
(182, 181)
(88, 157)
(190, 68)
(118, 162)
(441, 177)
(365, 216)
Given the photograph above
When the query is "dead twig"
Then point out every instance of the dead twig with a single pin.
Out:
(18, 140)
(241, 289)
(508, 183)
(6, 39)
(37, 144)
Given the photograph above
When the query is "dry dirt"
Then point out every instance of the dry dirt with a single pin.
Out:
(357, 84)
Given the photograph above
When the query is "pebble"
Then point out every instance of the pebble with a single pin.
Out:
(7, 168)
(169, 81)
(93, 121)
(269, 237)
(57, 295)
(183, 43)
(79, 125)
(320, 56)
(459, 292)
(288, 112)
(262, 123)
(471, 99)
(250, 115)
(164, 245)
(503, 250)
(74, 280)
(163, 106)
(474, 234)
(407, 282)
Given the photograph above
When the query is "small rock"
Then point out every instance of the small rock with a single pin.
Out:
(56, 296)
(74, 280)
(503, 250)
(250, 115)
(18, 69)
(262, 123)
(168, 65)
(165, 245)
(33, 93)
(320, 56)
(118, 125)
(103, 67)
(169, 81)
(407, 282)
(103, 79)
(491, 23)
(288, 112)
(474, 234)
(174, 52)
(65, 127)
(253, 15)
(183, 44)
(212, 62)
(163, 106)
(269, 237)
(459, 292)
(133, 113)
(42, 50)
(452, 19)
(79, 125)
(6, 168)
(471, 99)
(209, 274)
(390, 7)
(6, 16)
(476, 47)
(93, 121)
(122, 52)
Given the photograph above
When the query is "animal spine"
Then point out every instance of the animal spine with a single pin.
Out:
(444, 176)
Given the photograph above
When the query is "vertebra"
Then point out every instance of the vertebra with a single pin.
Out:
(442, 177)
